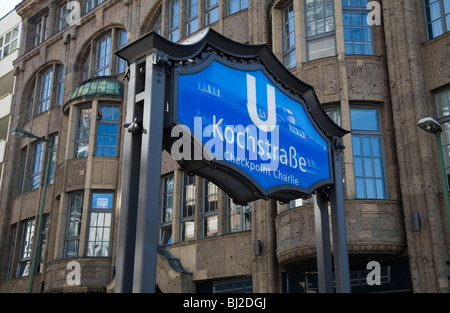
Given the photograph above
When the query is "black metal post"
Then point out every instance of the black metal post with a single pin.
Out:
(339, 229)
(323, 244)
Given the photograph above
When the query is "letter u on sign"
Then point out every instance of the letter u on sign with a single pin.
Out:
(270, 123)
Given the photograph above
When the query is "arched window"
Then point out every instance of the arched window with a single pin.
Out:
(100, 60)
(47, 90)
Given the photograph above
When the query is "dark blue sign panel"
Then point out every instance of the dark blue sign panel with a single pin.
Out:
(243, 119)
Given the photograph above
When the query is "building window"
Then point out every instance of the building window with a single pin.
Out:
(45, 90)
(211, 11)
(288, 36)
(100, 225)
(37, 159)
(191, 16)
(59, 84)
(88, 5)
(42, 87)
(62, 16)
(100, 60)
(437, 14)
(234, 6)
(107, 131)
(368, 157)
(320, 34)
(12, 245)
(42, 244)
(174, 20)
(121, 64)
(442, 101)
(358, 33)
(82, 133)
(241, 285)
(187, 223)
(51, 171)
(238, 285)
(166, 210)
(102, 56)
(334, 112)
(73, 227)
(40, 30)
(157, 26)
(85, 70)
(91, 4)
(210, 207)
(26, 245)
(239, 217)
(23, 165)
(9, 42)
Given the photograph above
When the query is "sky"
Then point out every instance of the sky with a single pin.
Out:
(7, 5)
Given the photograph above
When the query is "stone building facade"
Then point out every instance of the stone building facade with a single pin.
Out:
(376, 77)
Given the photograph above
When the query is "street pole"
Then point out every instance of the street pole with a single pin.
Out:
(37, 237)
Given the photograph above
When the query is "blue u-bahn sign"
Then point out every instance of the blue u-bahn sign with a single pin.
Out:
(243, 120)
(240, 119)
(233, 114)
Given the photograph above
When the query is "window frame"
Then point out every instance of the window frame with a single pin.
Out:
(314, 38)
(12, 246)
(22, 171)
(102, 65)
(42, 243)
(243, 210)
(174, 20)
(242, 5)
(45, 90)
(209, 212)
(46, 95)
(443, 19)
(69, 238)
(370, 133)
(78, 140)
(40, 33)
(209, 10)
(443, 120)
(26, 248)
(92, 229)
(62, 16)
(187, 215)
(290, 50)
(12, 41)
(36, 165)
(91, 66)
(192, 16)
(358, 9)
(112, 122)
(51, 174)
(167, 204)
(89, 5)
(59, 85)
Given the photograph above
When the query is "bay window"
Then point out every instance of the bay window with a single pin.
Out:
(320, 29)
(368, 156)
(73, 225)
(358, 34)
(100, 224)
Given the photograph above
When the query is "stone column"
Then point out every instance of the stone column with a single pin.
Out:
(418, 173)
